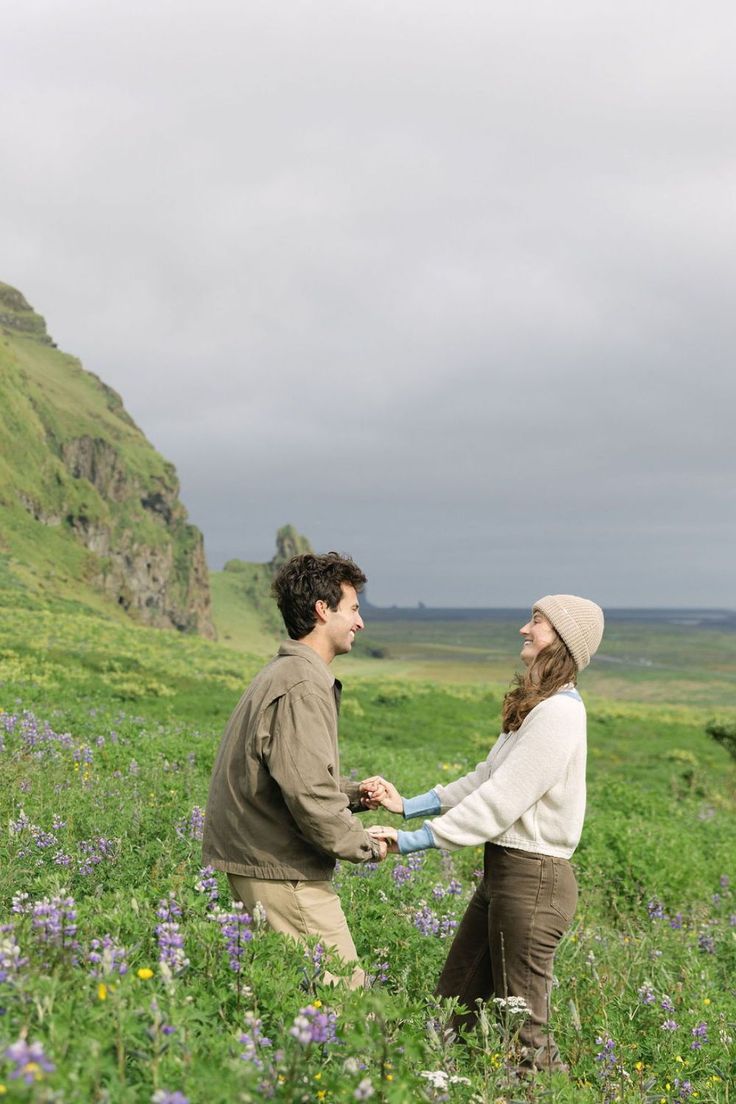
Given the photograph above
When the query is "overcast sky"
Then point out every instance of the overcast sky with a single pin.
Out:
(448, 285)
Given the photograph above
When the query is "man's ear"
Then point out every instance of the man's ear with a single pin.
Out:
(321, 608)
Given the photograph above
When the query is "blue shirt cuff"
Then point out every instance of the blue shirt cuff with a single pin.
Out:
(423, 805)
(416, 841)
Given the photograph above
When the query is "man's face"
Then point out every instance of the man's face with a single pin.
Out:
(343, 623)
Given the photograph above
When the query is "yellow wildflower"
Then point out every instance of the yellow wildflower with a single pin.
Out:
(102, 991)
(317, 1004)
(639, 1066)
(706, 1001)
(3, 1090)
(145, 973)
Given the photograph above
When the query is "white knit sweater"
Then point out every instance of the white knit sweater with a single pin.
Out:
(529, 793)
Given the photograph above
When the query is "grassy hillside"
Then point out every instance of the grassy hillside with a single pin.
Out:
(244, 612)
(89, 511)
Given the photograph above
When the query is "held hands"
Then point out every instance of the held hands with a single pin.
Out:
(376, 791)
(382, 847)
(386, 836)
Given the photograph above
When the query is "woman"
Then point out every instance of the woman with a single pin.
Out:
(526, 803)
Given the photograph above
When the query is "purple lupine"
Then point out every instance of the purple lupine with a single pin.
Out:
(706, 943)
(170, 939)
(725, 881)
(21, 904)
(646, 993)
(364, 870)
(236, 930)
(316, 957)
(22, 824)
(43, 839)
(11, 960)
(163, 1096)
(253, 1041)
(684, 1089)
(380, 973)
(606, 1056)
(207, 883)
(676, 921)
(669, 1025)
(30, 1061)
(608, 1068)
(655, 910)
(54, 924)
(428, 923)
(455, 887)
(438, 892)
(700, 1035)
(193, 825)
(107, 958)
(666, 1004)
(94, 852)
(401, 874)
(314, 1025)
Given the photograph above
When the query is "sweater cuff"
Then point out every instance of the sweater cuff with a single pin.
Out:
(416, 841)
(423, 805)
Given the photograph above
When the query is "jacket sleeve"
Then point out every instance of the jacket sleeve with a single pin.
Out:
(302, 760)
(351, 790)
(537, 761)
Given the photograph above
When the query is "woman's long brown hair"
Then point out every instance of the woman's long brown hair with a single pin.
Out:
(553, 668)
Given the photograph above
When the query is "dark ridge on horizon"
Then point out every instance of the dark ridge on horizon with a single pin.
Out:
(690, 617)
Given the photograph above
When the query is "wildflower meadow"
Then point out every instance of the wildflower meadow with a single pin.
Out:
(127, 975)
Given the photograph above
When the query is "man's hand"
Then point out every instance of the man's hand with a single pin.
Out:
(377, 791)
(388, 836)
(382, 848)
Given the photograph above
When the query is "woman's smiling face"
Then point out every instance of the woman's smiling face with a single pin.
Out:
(538, 633)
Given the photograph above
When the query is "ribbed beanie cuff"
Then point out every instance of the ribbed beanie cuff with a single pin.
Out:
(578, 621)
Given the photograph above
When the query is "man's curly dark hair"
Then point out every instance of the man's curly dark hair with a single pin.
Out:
(307, 579)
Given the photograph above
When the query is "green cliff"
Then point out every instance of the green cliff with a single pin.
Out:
(89, 511)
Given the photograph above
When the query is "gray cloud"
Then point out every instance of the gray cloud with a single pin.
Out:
(446, 286)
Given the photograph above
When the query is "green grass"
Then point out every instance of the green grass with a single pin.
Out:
(144, 709)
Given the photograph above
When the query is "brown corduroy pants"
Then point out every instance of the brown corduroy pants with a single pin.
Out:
(507, 939)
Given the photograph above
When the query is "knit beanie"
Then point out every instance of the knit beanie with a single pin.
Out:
(578, 621)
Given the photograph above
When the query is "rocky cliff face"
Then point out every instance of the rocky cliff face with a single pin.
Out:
(73, 460)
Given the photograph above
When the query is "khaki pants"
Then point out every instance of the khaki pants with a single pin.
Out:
(507, 939)
(301, 909)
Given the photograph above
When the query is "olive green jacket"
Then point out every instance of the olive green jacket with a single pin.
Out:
(277, 807)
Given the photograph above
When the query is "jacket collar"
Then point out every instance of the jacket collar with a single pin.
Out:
(296, 648)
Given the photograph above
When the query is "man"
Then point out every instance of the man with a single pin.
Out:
(278, 813)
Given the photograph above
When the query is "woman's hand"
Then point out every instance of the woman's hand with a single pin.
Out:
(386, 835)
(378, 791)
